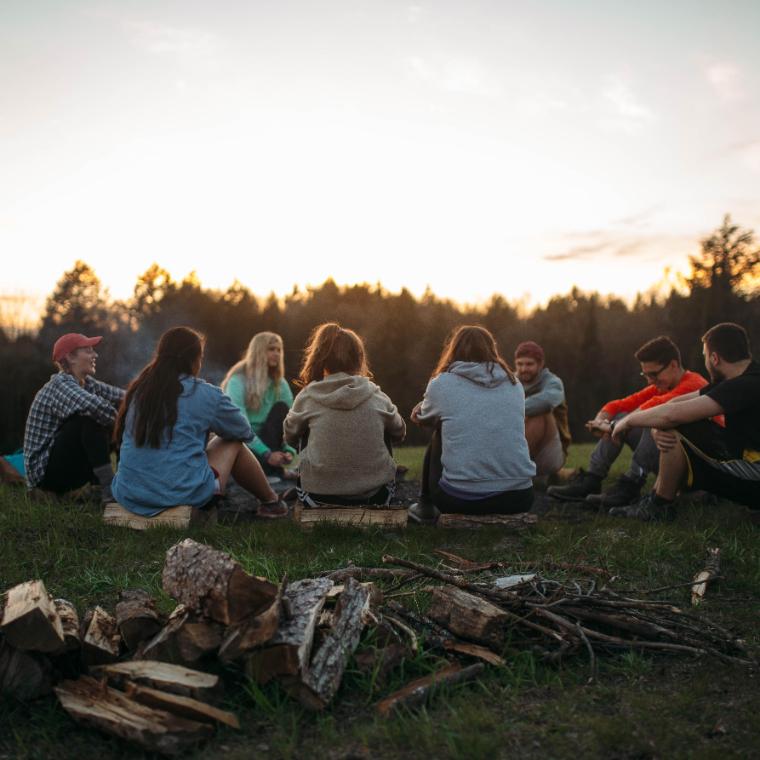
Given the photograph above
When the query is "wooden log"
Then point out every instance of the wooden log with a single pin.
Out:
(137, 618)
(320, 682)
(67, 613)
(703, 577)
(101, 642)
(473, 650)
(375, 592)
(23, 675)
(519, 521)
(163, 676)
(289, 650)
(417, 691)
(468, 616)
(212, 584)
(180, 518)
(184, 639)
(253, 632)
(92, 703)
(30, 621)
(185, 707)
(364, 516)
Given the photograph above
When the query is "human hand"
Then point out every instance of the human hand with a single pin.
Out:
(598, 427)
(415, 415)
(277, 458)
(288, 457)
(666, 440)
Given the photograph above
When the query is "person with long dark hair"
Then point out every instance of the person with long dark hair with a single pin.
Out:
(163, 427)
(344, 423)
(478, 460)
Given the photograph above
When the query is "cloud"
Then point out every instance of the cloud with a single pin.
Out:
(726, 79)
(612, 247)
(749, 152)
(413, 13)
(460, 75)
(183, 44)
(625, 111)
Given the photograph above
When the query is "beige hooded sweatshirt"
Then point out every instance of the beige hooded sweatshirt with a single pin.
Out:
(346, 418)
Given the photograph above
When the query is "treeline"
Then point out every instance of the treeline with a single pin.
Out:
(589, 339)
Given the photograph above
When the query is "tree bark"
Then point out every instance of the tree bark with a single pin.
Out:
(184, 639)
(23, 675)
(30, 621)
(468, 616)
(213, 585)
(101, 642)
(137, 618)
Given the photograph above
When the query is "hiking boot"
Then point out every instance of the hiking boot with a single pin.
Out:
(649, 508)
(623, 492)
(423, 513)
(271, 510)
(578, 488)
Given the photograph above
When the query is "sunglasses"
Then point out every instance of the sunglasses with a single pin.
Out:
(653, 375)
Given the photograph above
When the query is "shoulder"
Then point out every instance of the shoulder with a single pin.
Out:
(235, 381)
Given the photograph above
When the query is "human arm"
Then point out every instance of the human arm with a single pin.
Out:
(228, 421)
(393, 422)
(296, 423)
(235, 389)
(428, 412)
(110, 393)
(67, 397)
(551, 395)
(670, 415)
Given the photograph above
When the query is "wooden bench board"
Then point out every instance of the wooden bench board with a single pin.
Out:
(175, 517)
(362, 516)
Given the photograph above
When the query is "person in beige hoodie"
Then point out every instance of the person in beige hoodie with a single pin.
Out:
(343, 423)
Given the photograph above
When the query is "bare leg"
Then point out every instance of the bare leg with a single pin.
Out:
(673, 471)
(236, 459)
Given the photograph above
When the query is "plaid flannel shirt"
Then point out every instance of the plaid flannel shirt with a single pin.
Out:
(54, 403)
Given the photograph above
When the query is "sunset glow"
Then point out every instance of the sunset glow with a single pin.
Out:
(473, 148)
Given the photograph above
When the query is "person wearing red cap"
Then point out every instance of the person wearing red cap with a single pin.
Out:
(68, 429)
(546, 426)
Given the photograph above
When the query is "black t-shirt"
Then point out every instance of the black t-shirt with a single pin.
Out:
(739, 397)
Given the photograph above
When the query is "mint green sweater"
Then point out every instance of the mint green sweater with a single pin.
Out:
(256, 417)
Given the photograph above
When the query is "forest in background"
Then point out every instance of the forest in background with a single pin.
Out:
(589, 339)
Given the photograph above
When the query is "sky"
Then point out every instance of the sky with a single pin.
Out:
(474, 147)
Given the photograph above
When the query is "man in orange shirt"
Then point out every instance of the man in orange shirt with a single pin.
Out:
(666, 378)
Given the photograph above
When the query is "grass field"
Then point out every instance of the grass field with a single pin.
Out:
(640, 706)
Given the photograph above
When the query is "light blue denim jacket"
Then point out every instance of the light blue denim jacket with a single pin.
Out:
(150, 480)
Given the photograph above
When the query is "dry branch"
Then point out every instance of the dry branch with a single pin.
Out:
(702, 578)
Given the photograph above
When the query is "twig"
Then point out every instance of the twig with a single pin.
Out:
(590, 649)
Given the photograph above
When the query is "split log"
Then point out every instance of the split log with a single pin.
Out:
(213, 585)
(101, 642)
(321, 681)
(137, 618)
(94, 704)
(416, 692)
(468, 616)
(23, 675)
(30, 621)
(703, 577)
(69, 618)
(185, 707)
(179, 518)
(253, 632)
(163, 676)
(514, 522)
(185, 638)
(375, 593)
(289, 650)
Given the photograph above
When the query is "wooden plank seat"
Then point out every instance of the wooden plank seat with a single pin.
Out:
(175, 517)
(361, 516)
(519, 521)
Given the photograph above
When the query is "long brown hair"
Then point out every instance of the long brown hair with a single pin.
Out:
(471, 343)
(335, 349)
(156, 389)
(256, 371)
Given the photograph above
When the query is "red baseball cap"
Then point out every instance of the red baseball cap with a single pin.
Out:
(71, 342)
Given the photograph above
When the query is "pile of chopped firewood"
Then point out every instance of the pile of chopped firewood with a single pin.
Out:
(129, 673)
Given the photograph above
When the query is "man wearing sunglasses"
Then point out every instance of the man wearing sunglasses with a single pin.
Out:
(666, 378)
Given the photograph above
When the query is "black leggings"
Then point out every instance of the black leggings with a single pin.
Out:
(271, 434)
(80, 445)
(506, 503)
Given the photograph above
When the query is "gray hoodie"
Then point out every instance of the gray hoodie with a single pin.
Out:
(347, 418)
(482, 418)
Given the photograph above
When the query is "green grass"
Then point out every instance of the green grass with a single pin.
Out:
(641, 706)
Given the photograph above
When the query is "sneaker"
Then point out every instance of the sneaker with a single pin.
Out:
(623, 492)
(578, 488)
(272, 509)
(423, 513)
(649, 508)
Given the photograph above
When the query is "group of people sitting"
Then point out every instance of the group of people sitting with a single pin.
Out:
(495, 432)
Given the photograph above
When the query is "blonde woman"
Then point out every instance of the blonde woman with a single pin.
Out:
(257, 386)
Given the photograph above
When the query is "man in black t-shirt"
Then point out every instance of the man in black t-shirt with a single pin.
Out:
(696, 453)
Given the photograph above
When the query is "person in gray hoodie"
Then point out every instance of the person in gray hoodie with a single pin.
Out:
(478, 460)
(343, 423)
